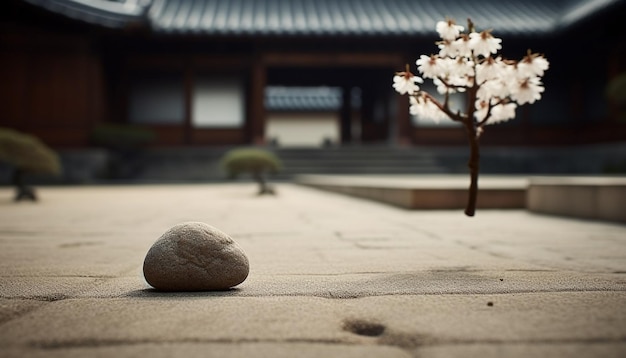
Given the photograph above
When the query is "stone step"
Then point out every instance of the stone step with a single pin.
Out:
(204, 163)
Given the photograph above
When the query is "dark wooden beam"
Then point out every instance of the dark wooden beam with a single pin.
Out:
(256, 100)
(345, 116)
(333, 59)
(404, 128)
(188, 84)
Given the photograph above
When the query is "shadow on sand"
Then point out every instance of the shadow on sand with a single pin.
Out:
(154, 293)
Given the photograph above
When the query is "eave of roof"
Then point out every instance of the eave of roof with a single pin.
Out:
(578, 11)
(329, 17)
(346, 17)
(112, 14)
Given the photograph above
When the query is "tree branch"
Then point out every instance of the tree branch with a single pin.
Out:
(484, 120)
(453, 116)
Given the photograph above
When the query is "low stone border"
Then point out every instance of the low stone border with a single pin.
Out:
(425, 191)
(601, 198)
(598, 198)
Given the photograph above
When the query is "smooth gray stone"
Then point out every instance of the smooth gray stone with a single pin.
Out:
(194, 256)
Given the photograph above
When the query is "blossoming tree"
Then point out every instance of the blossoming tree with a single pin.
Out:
(468, 63)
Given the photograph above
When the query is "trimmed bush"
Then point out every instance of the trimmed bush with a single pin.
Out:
(616, 92)
(256, 162)
(616, 88)
(121, 136)
(27, 154)
(125, 143)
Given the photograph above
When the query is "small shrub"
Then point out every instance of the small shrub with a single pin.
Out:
(122, 136)
(27, 154)
(124, 142)
(616, 88)
(616, 92)
(256, 162)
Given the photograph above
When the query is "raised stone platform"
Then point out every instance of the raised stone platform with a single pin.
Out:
(597, 198)
(426, 191)
(602, 198)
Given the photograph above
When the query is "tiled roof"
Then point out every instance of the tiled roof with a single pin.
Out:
(330, 17)
(282, 99)
(345, 17)
(108, 13)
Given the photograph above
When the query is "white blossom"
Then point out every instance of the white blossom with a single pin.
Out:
(451, 84)
(455, 48)
(493, 88)
(462, 67)
(406, 82)
(448, 30)
(532, 65)
(430, 66)
(460, 83)
(455, 75)
(441, 87)
(469, 62)
(462, 46)
(423, 107)
(482, 108)
(499, 112)
(484, 44)
(447, 48)
(527, 91)
(502, 113)
(489, 69)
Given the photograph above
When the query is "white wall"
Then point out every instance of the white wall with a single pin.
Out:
(217, 103)
(302, 129)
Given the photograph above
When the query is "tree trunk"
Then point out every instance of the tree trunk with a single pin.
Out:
(263, 187)
(22, 190)
(474, 166)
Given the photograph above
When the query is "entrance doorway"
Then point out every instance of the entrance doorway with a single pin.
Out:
(329, 105)
(305, 116)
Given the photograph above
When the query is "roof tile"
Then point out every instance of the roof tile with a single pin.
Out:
(303, 98)
(329, 17)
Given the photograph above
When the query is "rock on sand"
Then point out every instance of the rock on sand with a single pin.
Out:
(194, 256)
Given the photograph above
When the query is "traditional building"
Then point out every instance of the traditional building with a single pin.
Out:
(211, 72)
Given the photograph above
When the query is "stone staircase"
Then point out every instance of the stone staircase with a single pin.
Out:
(356, 160)
(202, 164)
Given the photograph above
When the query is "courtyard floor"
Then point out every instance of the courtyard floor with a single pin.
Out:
(330, 276)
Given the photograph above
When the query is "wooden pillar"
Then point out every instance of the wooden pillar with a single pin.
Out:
(528, 130)
(188, 88)
(346, 116)
(257, 113)
(404, 127)
(614, 68)
(368, 129)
